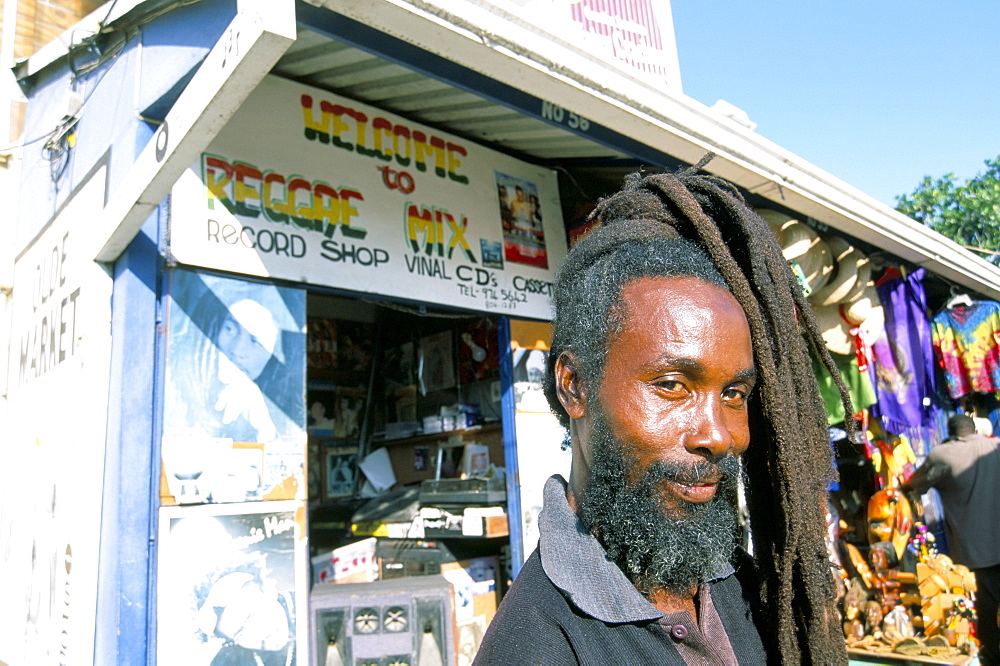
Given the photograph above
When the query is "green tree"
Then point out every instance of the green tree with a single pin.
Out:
(968, 214)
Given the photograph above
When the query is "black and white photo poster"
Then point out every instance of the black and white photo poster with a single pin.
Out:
(235, 359)
(235, 373)
(231, 581)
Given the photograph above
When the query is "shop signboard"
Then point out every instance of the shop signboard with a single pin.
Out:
(52, 454)
(308, 186)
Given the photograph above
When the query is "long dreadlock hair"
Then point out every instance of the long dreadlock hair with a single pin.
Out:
(789, 463)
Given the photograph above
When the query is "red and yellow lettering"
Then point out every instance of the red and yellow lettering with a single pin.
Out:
(246, 189)
(217, 174)
(453, 162)
(275, 209)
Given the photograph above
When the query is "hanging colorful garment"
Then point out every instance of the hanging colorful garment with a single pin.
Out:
(858, 384)
(903, 355)
(893, 458)
(967, 342)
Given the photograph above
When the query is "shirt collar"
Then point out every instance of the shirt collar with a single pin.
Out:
(577, 564)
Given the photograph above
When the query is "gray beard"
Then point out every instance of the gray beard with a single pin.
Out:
(674, 550)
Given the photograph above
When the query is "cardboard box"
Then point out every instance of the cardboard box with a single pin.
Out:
(356, 562)
(485, 521)
(497, 526)
(475, 583)
(322, 568)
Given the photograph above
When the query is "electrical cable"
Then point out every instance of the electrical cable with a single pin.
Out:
(52, 138)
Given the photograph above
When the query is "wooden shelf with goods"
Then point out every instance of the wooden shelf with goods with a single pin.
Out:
(414, 459)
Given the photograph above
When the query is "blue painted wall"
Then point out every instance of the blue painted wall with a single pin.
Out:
(137, 70)
(124, 632)
(126, 84)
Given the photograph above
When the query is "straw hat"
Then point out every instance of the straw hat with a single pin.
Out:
(857, 310)
(773, 218)
(836, 320)
(802, 246)
(851, 273)
(836, 332)
(866, 313)
(874, 324)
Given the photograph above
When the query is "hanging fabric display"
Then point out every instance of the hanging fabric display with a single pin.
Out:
(904, 357)
(842, 303)
(858, 383)
(966, 339)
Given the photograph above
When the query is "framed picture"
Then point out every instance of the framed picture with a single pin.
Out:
(321, 343)
(521, 218)
(340, 468)
(437, 362)
(398, 365)
(321, 401)
(348, 411)
(233, 582)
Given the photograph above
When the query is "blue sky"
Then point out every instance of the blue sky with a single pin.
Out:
(878, 93)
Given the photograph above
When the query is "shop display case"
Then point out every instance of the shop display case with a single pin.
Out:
(411, 494)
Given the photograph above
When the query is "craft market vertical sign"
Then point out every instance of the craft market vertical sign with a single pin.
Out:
(53, 452)
(307, 186)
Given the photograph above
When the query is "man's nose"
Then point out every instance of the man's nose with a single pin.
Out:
(709, 435)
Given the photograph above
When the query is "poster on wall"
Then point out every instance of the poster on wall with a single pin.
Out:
(232, 584)
(234, 414)
(340, 468)
(53, 441)
(540, 453)
(521, 213)
(436, 367)
(305, 185)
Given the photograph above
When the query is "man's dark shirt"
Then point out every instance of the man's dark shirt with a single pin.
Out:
(966, 473)
(570, 605)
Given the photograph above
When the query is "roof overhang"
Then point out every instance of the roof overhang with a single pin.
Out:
(483, 42)
(472, 70)
(258, 35)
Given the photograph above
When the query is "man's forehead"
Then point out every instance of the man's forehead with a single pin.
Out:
(646, 295)
(678, 318)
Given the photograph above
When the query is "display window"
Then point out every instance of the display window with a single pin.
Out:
(329, 443)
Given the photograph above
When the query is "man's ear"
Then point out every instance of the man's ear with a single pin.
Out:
(569, 386)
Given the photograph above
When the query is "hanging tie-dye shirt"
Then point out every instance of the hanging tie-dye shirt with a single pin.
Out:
(967, 342)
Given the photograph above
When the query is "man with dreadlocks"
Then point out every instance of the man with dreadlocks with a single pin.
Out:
(681, 345)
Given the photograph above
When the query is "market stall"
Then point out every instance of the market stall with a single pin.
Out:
(909, 360)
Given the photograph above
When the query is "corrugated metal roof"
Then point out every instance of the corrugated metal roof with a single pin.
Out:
(319, 61)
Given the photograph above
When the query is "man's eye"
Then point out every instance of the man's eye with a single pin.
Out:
(671, 385)
(735, 396)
